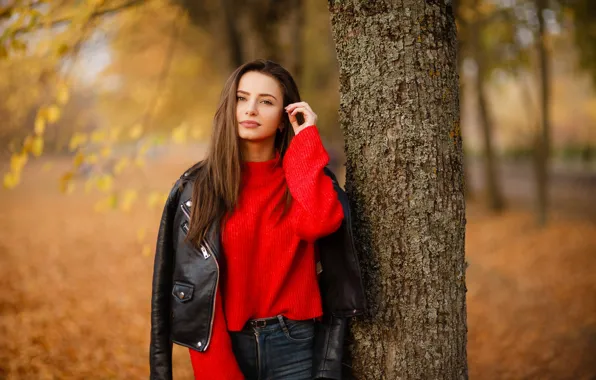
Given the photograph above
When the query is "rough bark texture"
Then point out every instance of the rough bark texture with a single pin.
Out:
(399, 115)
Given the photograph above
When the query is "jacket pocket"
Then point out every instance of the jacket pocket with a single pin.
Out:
(182, 292)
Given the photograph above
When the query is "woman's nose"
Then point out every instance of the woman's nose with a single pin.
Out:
(251, 109)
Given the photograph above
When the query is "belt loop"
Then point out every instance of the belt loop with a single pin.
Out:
(282, 323)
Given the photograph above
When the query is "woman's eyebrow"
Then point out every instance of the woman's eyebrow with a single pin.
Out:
(248, 93)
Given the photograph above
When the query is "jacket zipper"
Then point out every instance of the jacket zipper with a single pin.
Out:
(214, 294)
(184, 211)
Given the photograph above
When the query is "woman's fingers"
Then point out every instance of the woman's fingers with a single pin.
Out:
(310, 118)
(291, 106)
(294, 122)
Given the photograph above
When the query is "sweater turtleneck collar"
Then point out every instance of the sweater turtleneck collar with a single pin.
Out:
(257, 172)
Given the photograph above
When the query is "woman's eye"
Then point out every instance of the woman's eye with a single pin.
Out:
(267, 102)
(239, 98)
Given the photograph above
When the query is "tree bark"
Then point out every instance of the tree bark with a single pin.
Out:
(543, 143)
(399, 114)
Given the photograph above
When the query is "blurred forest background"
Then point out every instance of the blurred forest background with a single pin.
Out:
(104, 103)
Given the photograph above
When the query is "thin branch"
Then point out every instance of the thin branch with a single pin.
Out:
(161, 80)
(63, 21)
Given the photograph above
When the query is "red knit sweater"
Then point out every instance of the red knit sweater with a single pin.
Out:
(268, 265)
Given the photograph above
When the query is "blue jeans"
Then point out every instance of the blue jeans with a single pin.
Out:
(275, 352)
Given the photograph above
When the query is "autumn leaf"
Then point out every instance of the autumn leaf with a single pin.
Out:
(121, 165)
(28, 144)
(153, 199)
(78, 159)
(11, 180)
(76, 140)
(129, 197)
(114, 133)
(40, 124)
(37, 146)
(105, 182)
(65, 179)
(105, 151)
(179, 134)
(136, 131)
(53, 113)
(89, 185)
(61, 50)
(92, 158)
(141, 233)
(18, 161)
(113, 201)
(98, 136)
(62, 95)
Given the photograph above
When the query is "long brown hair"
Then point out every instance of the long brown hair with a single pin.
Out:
(218, 177)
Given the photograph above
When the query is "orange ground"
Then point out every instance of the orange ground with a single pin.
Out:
(75, 289)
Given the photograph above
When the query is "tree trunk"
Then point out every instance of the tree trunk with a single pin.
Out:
(495, 196)
(543, 148)
(399, 114)
(236, 53)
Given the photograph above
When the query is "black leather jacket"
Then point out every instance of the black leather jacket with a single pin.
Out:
(186, 277)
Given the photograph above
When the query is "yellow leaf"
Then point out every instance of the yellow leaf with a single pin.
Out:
(65, 178)
(98, 136)
(144, 148)
(28, 144)
(141, 233)
(146, 250)
(113, 201)
(11, 180)
(37, 146)
(92, 158)
(46, 166)
(62, 49)
(62, 95)
(78, 159)
(71, 187)
(40, 124)
(179, 134)
(153, 199)
(121, 165)
(129, 197)
(114, 133)
(136, 131)
(77, 140)
(18, 161)
(105, 151)
(105, 182)
(53, 113)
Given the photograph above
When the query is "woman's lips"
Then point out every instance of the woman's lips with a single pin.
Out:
(249, 124)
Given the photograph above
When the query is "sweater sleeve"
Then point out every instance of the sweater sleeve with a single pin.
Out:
(218, 361)
(318, 210)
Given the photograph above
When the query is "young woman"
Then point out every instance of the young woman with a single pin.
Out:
(255, 269)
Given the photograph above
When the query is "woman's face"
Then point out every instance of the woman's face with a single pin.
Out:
(259, 106)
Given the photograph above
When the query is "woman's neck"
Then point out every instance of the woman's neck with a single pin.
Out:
(257, 152)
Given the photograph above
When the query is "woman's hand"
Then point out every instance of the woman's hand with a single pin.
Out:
(310, 118)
